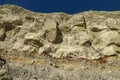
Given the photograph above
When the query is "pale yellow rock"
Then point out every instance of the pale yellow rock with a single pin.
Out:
(59, 46)
(18, 45)
(32, 36)
(105, 38)
(113, 23)
(67, 51)
(3, 72)
(33, 39)
(84, 35)
(110, 50)
(51, 35)
(50, 24)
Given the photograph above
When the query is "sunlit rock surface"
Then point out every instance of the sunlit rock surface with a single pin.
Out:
(59, 46)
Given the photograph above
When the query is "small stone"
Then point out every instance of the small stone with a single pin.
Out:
(3, 72)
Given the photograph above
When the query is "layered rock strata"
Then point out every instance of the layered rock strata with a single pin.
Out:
(33, 39)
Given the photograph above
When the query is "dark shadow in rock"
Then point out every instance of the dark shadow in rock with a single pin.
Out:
(29, 18)
(2, 61)
(59, 35)
(94, 29)
(2, 37)
(87, 43)
(7, 26)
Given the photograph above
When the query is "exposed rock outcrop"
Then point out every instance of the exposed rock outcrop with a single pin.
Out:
(27, 38)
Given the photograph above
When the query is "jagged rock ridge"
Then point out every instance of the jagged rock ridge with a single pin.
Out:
(90, 35)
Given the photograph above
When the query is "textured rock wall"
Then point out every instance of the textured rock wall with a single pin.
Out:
(89, 35)
(27, 36)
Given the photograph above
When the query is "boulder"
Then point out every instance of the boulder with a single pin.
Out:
(105, 38)
(33, 39)
(109, 50)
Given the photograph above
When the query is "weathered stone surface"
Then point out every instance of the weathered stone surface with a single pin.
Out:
(33, 39)
(29, 41)
(93, 33)
(2, 72)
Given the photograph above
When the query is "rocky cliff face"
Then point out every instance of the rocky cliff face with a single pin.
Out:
(59, 46)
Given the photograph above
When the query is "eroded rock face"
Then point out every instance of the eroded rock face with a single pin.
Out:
(89, 35)
(4, 71)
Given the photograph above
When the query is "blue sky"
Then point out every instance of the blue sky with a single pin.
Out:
(68, 6)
